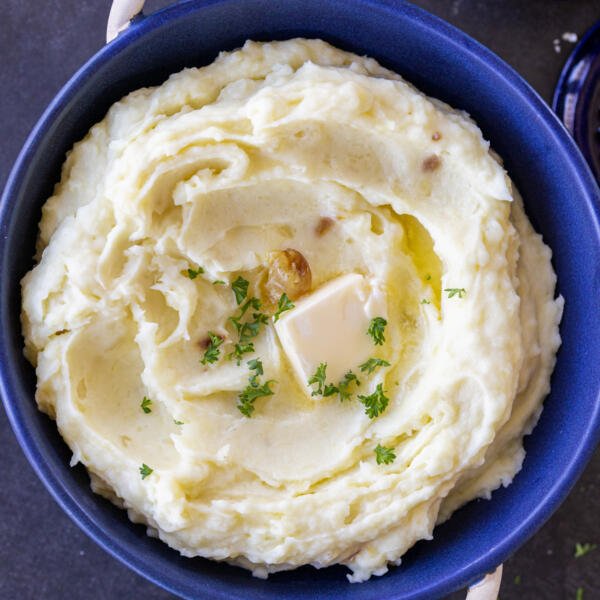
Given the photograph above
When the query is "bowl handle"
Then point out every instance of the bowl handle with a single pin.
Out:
(119, 19)
(487, 588)
(121, 13)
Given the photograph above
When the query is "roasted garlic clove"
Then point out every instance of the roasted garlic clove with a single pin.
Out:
(289, 273)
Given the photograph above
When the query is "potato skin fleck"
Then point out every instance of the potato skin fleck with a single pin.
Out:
(323, 226)
(431, 163)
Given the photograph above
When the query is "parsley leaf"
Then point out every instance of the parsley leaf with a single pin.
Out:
(250, 394)
(372, 364)
(251, 329)
(284, 304)
(178, 422)
(255, 365)
(460, 292)
(145, 470)
(240, 289)
(212, 352)
(319, 379)
(428, 277)
(583, 549)
(237, 320)
(425, 301)
(239, 350)
(376, 329)
(384, 455)
(193, 273)
(344, 385)
(375, 403)
(146, 404)
(219, 282)
(330, 390)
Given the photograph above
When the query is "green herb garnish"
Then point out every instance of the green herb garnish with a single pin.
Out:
(255, 365)
(344, 385)
(239, 350)
(319, 379)
(375, 403)
(251, 329)
(376, 329)
(252, 393)
(145, 470)
(384, 455)
(460, 292)
(193, 273)
(240, 289)
(425, 301)
(178, 422)
(237, 320)
(219, 282)
(146, 404)
(372, 364)
(583, 549)
(212, 351)
(284, 304)
(330, 390)
(428, 277)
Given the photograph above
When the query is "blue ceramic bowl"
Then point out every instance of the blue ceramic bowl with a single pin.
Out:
(560, 196)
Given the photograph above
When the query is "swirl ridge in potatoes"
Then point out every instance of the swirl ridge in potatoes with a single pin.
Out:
(290, 213)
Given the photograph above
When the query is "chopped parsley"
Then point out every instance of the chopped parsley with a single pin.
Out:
(146, 404)
(212, 352)
(251, 329)
(255, 365)
(284, 304)
(375, 403)
(193, 273)
(319, 379)
(252, 393)
(376, 329)
(254, 390)
(372, 364)
(247, 330)
(460, 292)
(384, 455)
(583, 549)
(425, 301)
(330, 390)
(219, 282)
(344, 385)
(240, 289)
(428, 277)
(178, 422)
(237, 320)
(145, 470)
(239, 350)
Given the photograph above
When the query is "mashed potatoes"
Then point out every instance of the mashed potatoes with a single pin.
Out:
(284, 168)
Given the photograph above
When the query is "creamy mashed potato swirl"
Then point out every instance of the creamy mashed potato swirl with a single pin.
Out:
(288, 145)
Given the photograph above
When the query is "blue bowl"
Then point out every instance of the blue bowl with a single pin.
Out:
(561, 198)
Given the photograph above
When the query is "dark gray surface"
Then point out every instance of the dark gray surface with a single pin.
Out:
(42, 554)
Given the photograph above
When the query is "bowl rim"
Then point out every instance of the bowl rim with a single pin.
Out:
(141, 26)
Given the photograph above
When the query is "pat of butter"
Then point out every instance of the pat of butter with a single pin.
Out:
(330, 326)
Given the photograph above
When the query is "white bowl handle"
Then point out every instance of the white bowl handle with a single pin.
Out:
(121, 14)
(487, 588)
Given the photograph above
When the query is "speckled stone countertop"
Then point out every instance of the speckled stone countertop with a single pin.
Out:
(43, 555)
